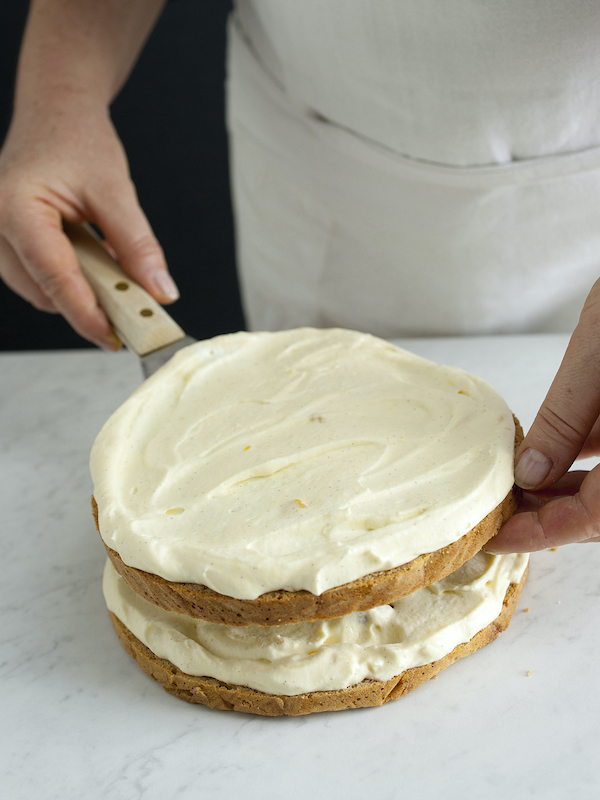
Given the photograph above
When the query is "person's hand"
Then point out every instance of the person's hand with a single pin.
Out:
(68, 163)
(564, 506)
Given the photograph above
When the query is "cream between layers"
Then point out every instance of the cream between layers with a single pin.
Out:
(326, 654)
(301, 459)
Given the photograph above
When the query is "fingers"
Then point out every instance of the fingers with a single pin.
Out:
(49, 268)
(568, 485)
(570, 409)
(72, 168)
(17, 279)
(129, 234)
(563, 520)
(38, 262)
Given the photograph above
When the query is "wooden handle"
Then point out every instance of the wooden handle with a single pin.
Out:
(139, 320)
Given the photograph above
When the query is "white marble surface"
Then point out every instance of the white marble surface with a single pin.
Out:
(80, 720)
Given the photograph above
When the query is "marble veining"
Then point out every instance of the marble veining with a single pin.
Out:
(80, 720)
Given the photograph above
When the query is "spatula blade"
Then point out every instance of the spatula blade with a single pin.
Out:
(155, 360)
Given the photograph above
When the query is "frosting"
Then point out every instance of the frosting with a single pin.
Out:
(300, 459)
(326, 654)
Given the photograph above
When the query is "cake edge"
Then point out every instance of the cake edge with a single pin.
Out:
(217, 694)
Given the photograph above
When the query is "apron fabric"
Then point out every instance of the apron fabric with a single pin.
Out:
(358, 212)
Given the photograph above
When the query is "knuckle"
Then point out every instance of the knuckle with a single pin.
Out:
(53, 284)
(558, 429)
(141, 248)
(591, 522)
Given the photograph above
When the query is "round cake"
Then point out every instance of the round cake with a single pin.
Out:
(294, 521)
(274, 478)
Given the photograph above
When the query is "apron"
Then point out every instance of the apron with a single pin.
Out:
(458, 198)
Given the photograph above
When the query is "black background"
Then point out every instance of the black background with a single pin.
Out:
(170, 116)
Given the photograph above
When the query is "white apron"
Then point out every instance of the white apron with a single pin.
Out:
(405, 176)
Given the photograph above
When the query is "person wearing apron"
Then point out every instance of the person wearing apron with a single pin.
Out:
(407, 171)
(398, 167)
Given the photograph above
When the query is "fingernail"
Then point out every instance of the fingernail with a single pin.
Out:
(532, 469)
(489, 549)
(165, 285)
(492, 550)
(112, 343)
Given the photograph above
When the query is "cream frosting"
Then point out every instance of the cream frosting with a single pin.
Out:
(300, 459)
(326, 654)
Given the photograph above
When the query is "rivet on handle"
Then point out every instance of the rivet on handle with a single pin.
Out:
(123, 300)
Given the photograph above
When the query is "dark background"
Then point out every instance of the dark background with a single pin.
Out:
(170, 116)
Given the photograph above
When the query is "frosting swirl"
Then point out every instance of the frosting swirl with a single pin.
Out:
(300, 459)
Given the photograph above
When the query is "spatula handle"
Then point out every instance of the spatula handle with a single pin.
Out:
(139, 320)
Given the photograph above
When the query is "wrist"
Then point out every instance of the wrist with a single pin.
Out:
(58, 101)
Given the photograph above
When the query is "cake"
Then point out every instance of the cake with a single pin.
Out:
(273, 484)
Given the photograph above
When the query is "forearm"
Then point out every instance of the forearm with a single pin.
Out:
(80, 51)
(62, 159)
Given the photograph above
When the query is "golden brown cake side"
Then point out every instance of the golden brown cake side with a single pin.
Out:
(282, 607)
(216, 694)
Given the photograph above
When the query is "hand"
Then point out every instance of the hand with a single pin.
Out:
(561, 507)
(69, 164)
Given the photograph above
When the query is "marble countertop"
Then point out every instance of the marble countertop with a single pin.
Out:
(80, 720)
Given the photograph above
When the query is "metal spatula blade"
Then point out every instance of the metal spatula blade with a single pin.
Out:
(155, 360)
(142, 323)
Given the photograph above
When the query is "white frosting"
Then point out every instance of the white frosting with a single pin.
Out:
(301, 459)
(330, 654)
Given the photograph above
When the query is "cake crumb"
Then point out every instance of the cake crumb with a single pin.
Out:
(525, 610)
(530, 673)
(553, 549)
(300, 503)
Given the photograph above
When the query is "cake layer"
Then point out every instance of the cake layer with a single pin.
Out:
(229, 697)
(300, 461)
(332, 654)
(282, 607)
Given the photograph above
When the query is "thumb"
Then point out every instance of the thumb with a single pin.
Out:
(574, 517)
(128, 232)
(570, 409)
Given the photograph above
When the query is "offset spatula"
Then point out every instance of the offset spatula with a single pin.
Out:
(142, 323)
